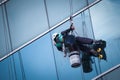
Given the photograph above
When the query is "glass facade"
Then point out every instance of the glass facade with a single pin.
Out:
(111, 74)
(40, 60)
(34, 17)
(106, 26)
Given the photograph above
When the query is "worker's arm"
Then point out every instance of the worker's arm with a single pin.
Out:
(64, 33)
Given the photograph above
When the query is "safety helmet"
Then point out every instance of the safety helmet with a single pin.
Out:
(54, 35)
(57, 37)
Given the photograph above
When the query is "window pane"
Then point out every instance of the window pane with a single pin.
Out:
(2, 35)
(38, 60)
(25, 22)
(27, 19)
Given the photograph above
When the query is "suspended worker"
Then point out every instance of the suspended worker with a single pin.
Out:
(82, 42)
(59, 40)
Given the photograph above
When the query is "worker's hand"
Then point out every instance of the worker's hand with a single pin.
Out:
(72, 27)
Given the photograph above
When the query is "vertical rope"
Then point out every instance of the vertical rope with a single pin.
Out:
(9, 34)
(51, 39)
(21, 65)
(71, 13)
(84, 25)
(94, 38)
(83, 29)
(71, 7)
(87, 2)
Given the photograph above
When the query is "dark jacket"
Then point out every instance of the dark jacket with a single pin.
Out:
(65, 34)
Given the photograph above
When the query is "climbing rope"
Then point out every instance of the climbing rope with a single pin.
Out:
(74, 32)
(94, 38)
(71, 12)
(84, 28)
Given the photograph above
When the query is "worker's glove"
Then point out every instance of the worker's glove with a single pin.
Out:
(72, 27)
(64, 50)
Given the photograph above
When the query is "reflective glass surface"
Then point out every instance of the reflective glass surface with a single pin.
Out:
(41, 60)
(24, 23)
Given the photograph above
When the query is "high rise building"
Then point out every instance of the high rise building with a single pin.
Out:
(26, 28)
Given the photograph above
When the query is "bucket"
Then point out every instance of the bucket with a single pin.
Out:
(75, 59)
(86, 63)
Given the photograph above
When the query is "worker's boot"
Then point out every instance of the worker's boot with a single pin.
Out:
(99, 46)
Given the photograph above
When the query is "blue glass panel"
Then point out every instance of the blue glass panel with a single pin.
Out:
(38, 60)
(2, 35)
(26, 22)
(105, 17)
(4, 68)
(27, 19)
(19, 67)
(111, 74)
(90, 1)
(102, 21)
(57, 10)
(78, 5)
(65, 71)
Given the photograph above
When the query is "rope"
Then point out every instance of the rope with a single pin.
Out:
(94, 38)
(71, 24)
(9, 34)
(71, 17)
(71, 12)
(84, 25)
(21, 65)
(71, 7)
(51, 39)
(87, 2)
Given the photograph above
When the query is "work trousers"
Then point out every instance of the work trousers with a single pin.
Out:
(82, 43)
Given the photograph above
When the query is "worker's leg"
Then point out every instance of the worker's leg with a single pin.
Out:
(83, 40)
(88, 50)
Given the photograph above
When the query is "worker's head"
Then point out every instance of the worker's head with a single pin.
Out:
(54, 35)
(57, 37)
